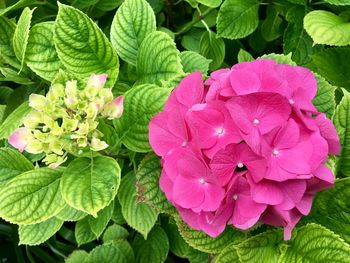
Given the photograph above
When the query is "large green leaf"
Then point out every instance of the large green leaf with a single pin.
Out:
(90, 184)
(31, 197)
(147, 185)
(38, 233)
(201, 241)
(12, 163)
(98, 224)
(82, 47)
(192, 61)
(115, 252)
(83, 233)
(158, 59)
(141, 103)
(237, 18)
(138, 215)
(7, 29)
(228, 255)
(212, 48)
(314, 243)
(333, 64)
(70, 214)
(154, 249)
(133, 21)
(78, 256)
(260, 248)
(327, 28)
(325, 98)
(336, 216)
(20, 37)
(41, 55)
(115, 232)
(341, 120)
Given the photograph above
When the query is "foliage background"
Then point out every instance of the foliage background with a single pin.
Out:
(157, 42)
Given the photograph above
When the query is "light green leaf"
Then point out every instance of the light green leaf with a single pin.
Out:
(141, 103)
(116, 252)
(41, 55)
(12, 163)
(212, 48)
(244, 56)
(12, 122)
(78, 256)
(192, 61)
(20, 37)
(237, 18)
(280, 58)
(327, 28)
(114, 232)
(19, 4)
(11, 74)
(133, 21)
(98, 224)
(338, 2)
(201, 241)
(210, 3)
(82, 47)
(154, 249)
(335, 217)
(325, 98)
(228, 255)
(147, 185)
(314, 243)
(7, 29)
(117, 216)
(158, 59)
(138, 215)
(90, 185)
(333, 64)
(36, 234)
(31, 197)
(341, 121)
(191, 39)
(83, 233)
(262, 247)
(70, 214)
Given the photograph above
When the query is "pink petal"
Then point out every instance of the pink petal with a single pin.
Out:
(188, 193)
(328, 132)
(190, 90)
(305, 204)
(20, 138)
(244, 82)
(288, 136)
(266, 192)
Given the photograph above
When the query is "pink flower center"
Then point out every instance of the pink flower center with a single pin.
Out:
(235, 197)
(220, 131)
(184, 144)
(240, 165)
(275, 152)
(291, 101)
(202, 181)
(256, 121)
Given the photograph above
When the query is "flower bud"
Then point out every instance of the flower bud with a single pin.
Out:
(20, 138)
(56, 146)
(71, 89)
(92, 110)
(32, 120)
(98, 145)
(34, 146)
(56, 92)
(114, 108)
(59, 161)
(38, 102)
(97, 81)
(69, 124)
(83, 128)
(106, 95)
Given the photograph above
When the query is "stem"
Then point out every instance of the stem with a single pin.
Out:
(193, 22)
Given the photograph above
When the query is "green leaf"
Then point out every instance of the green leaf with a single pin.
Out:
(260, 248)
(7, 29)
(212, 48)
(78, 256)
(19, 4)
(191, 40)
(314, 243)
(83, 233)
(90, 185)
(333, 64)
(116, 252)
(114, 232)
(13, 121)
(82, 47)
(338, 2)
(270, 28)
(210, 3)
(158, 59)
(147, 185)
(108, 5)
(335, 217)
(98, 224)
(138, 215)
(20, 37)
(70, 214)
(244, 56)
(280, 58)
(192, 61)
(228, 255)
(201, 241)
(177, 244)
(325, 98)
(31, 197)
(12, 163)
(36, 234)
(341, 121)
(117, 216)
(41, 55)
(154, 249)
(237, 18)
(327, 28)
(141, 103)
(133, 21)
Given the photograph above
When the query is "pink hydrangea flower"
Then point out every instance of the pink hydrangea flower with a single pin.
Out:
(245, 146)
(20, 138)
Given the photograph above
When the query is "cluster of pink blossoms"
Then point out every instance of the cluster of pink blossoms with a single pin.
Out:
(244, 146)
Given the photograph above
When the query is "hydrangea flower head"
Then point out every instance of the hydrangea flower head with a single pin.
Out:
(66, 119)
(245, 146)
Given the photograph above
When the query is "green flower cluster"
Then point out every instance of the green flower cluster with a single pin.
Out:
(66, 119)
